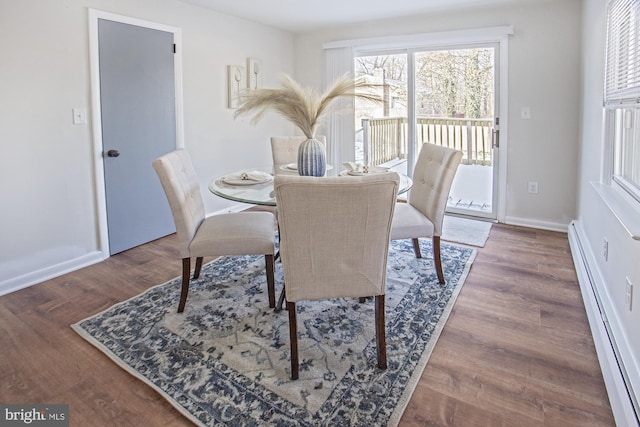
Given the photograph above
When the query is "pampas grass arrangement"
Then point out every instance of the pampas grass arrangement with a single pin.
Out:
(304, 107)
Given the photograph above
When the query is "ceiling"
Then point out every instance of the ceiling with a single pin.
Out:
(307, 15)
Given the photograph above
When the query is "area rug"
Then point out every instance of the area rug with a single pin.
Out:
(466, 231)
(225, 360)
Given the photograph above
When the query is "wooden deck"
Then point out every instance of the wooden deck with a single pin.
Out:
(384, 142)
(471, 189)
(385, 139)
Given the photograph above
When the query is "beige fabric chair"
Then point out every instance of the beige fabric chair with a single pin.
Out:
(334, 241)
(423, 214)
(284, 149)
(243, 233)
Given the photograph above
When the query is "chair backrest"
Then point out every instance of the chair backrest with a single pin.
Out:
(284, 149)
(180, 184)
(432, 178)
(334, 234)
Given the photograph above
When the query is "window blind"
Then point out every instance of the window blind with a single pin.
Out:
(622, 71)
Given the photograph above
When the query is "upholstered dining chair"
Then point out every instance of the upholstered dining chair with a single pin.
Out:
(423, 214)
(241, 233)
(284, 149)
(334, 241)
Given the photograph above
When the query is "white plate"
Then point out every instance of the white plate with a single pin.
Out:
(291, 167)
(371, 171)
(235, 179)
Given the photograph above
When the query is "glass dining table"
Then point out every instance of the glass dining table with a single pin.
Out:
(260, 191)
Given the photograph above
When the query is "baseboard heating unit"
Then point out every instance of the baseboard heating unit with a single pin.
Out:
(623, 399)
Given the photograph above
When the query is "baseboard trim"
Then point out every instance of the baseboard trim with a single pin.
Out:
(24, 281)
(534, 223)
(33, 278)
(606, 348)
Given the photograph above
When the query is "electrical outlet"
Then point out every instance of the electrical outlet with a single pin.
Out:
(628, 297)
(532, 187)
(605, 249)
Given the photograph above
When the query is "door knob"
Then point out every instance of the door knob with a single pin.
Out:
(113, 153)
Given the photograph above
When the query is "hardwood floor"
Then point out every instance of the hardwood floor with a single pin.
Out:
(516, 350)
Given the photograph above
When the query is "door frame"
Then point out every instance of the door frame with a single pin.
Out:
(499, 86)
(96, 113)
(444, 39)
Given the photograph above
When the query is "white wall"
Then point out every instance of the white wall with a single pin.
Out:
(595, 221)
(544, 60)
(48, 218)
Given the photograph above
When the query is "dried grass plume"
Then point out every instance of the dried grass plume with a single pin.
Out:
(304, 107)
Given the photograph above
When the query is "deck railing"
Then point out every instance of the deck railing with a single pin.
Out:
(385, 139)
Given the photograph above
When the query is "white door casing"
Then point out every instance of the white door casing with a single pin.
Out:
(443, 40)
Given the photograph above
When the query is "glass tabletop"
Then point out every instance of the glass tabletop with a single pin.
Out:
(231, 187)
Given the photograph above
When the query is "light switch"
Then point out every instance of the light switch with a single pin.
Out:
(79, 116)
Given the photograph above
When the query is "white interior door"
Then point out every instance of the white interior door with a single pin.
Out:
(138, 122)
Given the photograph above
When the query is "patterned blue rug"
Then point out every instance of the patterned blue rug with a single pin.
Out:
(225, 360)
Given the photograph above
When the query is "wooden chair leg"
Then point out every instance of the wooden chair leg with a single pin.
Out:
(271, 290)
(278, 308)
(198, 269)
(381, 342)
(437, 260)
(293, 338)
(278, 227)
(416, 248)
(186, 271)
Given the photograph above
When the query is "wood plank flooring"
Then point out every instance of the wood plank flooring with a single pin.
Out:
(516, 350)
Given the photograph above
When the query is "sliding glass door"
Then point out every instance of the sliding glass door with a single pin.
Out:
(439, 96)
